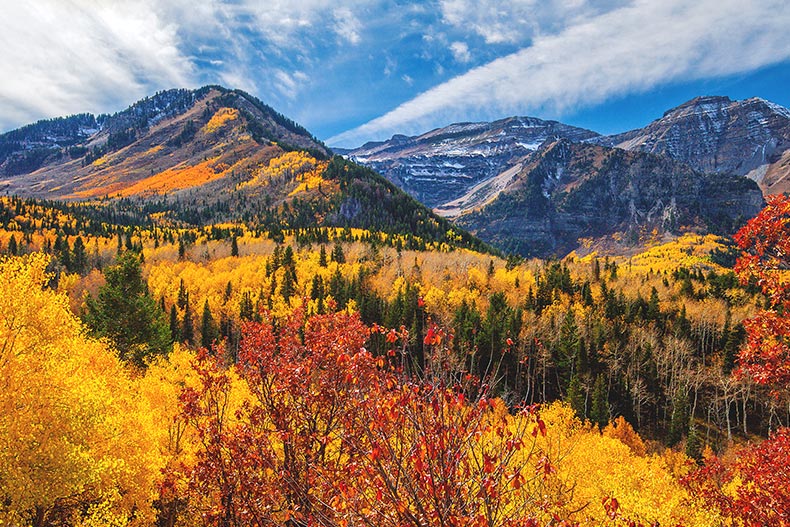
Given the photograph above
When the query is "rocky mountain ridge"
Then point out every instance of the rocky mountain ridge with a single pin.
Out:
(90, 156)
(718, 135)
(567, 195)
(443, 165)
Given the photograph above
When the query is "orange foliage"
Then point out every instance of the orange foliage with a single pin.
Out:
(621, 430)
(178, 178)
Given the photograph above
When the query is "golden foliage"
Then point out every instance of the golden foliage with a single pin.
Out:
(71, 424)
(219, 119)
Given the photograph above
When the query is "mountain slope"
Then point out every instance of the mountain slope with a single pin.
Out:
(569, 193)
(445, 164)
(717, 135)
(196, 157)
(154, 146)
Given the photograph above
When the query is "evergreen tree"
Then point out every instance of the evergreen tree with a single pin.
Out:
(13, 249)
(653, 308)
(188, 325)
(175, 329)
(287, 289)
(208, 328)
(679, 422)
(575, 397)
(182, 295)
(337, 254)
(79, 257)
(694, 444)
(125, 313)
(234, 246)
(228, 292)
(322, 257)
(246, 309)
(599, 412)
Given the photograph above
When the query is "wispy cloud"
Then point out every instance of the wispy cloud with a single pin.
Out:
(627, 50)
(460, 51)
(68, 56)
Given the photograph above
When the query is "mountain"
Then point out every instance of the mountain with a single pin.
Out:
(445, 164)
(148, 147)
(718, 135)
(569, 194)
(196, 157)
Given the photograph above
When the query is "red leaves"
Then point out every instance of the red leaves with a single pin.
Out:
(765, 240)
(433, 336)
(611, 506)
(763, 496)
(333, 438)
(540, 427)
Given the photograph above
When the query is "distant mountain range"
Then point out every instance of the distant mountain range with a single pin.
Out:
(528, 186)
(475, 173)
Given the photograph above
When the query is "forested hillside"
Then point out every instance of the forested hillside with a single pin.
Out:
(342, 376)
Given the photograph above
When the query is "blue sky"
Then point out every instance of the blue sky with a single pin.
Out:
(359, 70)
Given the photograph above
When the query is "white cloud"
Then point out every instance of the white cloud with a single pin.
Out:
(517, 21)
(67, 56)
(460, 51)
(347, 26)
(631, 49)
(63, 57)
(407, 79)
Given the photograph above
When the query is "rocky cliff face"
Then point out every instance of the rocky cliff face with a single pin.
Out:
(445, 164)
(717, 135)
(567, 193)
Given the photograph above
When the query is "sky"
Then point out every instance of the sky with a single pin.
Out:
(352, 71)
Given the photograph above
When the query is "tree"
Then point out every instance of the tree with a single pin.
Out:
(188, 325)
(754, 489)
(79, 259)
(599, 412)
(13, 249)
(288, 451)
(765, 240)
(322, 257)
(234, 246)
(337, 254)
(74, 440)
(124, 312)
(208, 328)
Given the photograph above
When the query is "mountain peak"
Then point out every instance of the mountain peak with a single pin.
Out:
(441, 166)
(197, 136)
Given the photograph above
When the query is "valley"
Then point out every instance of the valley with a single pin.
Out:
(246, 329)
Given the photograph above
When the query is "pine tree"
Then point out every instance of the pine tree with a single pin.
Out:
(13, 249)
(679, 422)
(188, 325)
(322, 257)
(208, 327)
(246, 309)
(575, 397)
(234, 246)
(337, 254)
(175, 329)
(228, 292)
(182, 295)
(694, 444)
(79, 257)
(599, 412)
(124, 312)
